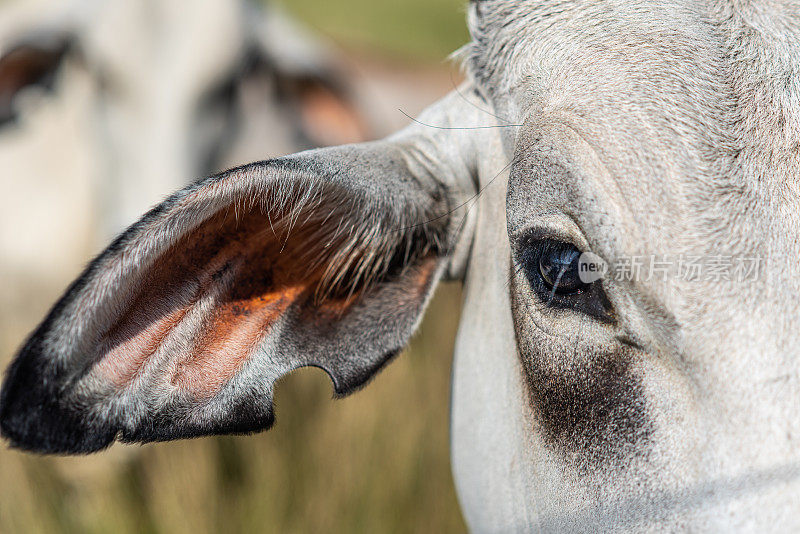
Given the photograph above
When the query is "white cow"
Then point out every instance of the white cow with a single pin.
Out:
(607, 134)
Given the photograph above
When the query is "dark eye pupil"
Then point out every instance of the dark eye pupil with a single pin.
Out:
(558, 266)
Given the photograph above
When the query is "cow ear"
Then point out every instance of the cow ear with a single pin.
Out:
(183, 325)
(31, 62)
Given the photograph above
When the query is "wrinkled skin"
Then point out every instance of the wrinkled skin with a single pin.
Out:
(624, 129)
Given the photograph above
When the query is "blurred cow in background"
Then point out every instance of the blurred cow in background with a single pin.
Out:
(105, 106)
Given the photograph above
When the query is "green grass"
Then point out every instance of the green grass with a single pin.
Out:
(411, 29)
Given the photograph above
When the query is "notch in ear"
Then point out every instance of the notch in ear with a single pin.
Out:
(28, 63)
(182, 326)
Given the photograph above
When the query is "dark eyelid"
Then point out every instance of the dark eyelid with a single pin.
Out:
(561, 227)
(536, 239)
(542, 232)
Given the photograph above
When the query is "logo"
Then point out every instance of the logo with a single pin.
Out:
(591, 267)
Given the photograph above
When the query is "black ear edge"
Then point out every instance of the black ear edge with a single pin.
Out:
(35, 420)
(50, 428)
(353, 384)
(248, 416)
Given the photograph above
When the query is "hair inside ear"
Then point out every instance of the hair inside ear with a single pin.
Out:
(214, 295)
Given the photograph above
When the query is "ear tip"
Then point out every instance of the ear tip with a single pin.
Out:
(35, 417)
(32, 419)
(31, 432)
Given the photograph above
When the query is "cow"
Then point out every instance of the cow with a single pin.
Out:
(132, 99)
(588, 133)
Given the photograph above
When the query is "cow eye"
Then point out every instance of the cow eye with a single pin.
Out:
(554, 271)
(559, 269)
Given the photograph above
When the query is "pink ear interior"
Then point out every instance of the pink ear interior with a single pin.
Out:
(211, 299)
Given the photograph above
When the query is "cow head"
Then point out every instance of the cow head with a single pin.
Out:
(661, 137)
(628, 350)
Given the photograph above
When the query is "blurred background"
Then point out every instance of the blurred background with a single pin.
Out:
(105, 107)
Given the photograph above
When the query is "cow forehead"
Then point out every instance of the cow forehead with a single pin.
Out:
(644, 83)
(705, 62)
(691, 102)
(515, 42)
(642, 87)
